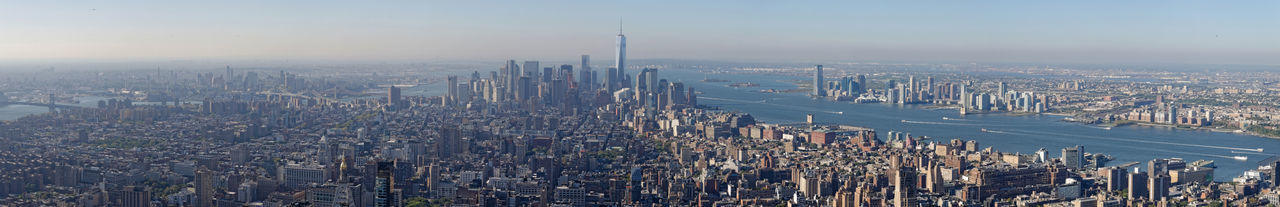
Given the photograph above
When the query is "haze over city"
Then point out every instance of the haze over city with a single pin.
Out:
(1131, 32)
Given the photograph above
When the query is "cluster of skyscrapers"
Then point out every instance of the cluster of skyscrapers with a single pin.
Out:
(1003, 100)
(847, 86)
(525, 83)
(913, 91)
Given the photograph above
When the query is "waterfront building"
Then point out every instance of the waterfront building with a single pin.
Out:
(818, 84)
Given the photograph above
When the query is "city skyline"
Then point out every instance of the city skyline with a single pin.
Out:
(335, 105)
(1077, 32)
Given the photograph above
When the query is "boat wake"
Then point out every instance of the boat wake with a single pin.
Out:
(731, 100)
(964, 124)
(937, 123)
(764, 102)
(1146, 141)
(1253, 153)
(1240, 158)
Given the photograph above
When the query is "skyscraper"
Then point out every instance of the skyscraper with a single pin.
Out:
(642, 82)
(511, 76)
(929, 87)
(135, 196)
(675, 94)
(621, 57)
(903, 94)
(548, 74)
(585, 80)
(818, 83)
(204, 187)
(862, 83)
(453, 90)
(611, 79)
(904, 184)
(1158, 186)
(559, 89)
(845, 85)
(1275, 170)
(1003, 89)
(652, 74)
(250, 80)
(530, 68)
(641, 86)
(393, 97)
(384, 194)
(565, 73)
(1073, 157)
(1114, 177)
(911, 89)
(624, 81)
(1137, 186)
(526, 88)
(983, 100)
(230, 74)
(1158, 167)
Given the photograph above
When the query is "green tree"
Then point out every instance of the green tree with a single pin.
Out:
(440, 202)
(417, 202)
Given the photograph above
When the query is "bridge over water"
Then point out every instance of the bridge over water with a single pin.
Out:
(299, 96)
(61, 106)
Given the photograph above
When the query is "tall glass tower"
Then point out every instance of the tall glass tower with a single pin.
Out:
(621, 57)
(819, 85)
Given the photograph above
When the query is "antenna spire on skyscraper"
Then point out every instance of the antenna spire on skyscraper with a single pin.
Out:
(619, 25)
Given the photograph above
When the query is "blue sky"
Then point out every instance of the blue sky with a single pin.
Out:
(1213, 32)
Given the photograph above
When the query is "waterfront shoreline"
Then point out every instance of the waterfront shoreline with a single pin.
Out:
(926, 106)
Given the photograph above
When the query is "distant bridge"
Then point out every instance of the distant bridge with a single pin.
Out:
(41, 104)
(299, 96)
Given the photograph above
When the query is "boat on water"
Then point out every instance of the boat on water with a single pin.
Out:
(1252, 150)
(984, 130)
(946, 118)
(1240, 158)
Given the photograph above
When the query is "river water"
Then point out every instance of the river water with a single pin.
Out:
(11, 112)
(1006, 133)
(14, 111)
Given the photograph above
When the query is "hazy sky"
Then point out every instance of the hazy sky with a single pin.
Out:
(1226, 32)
